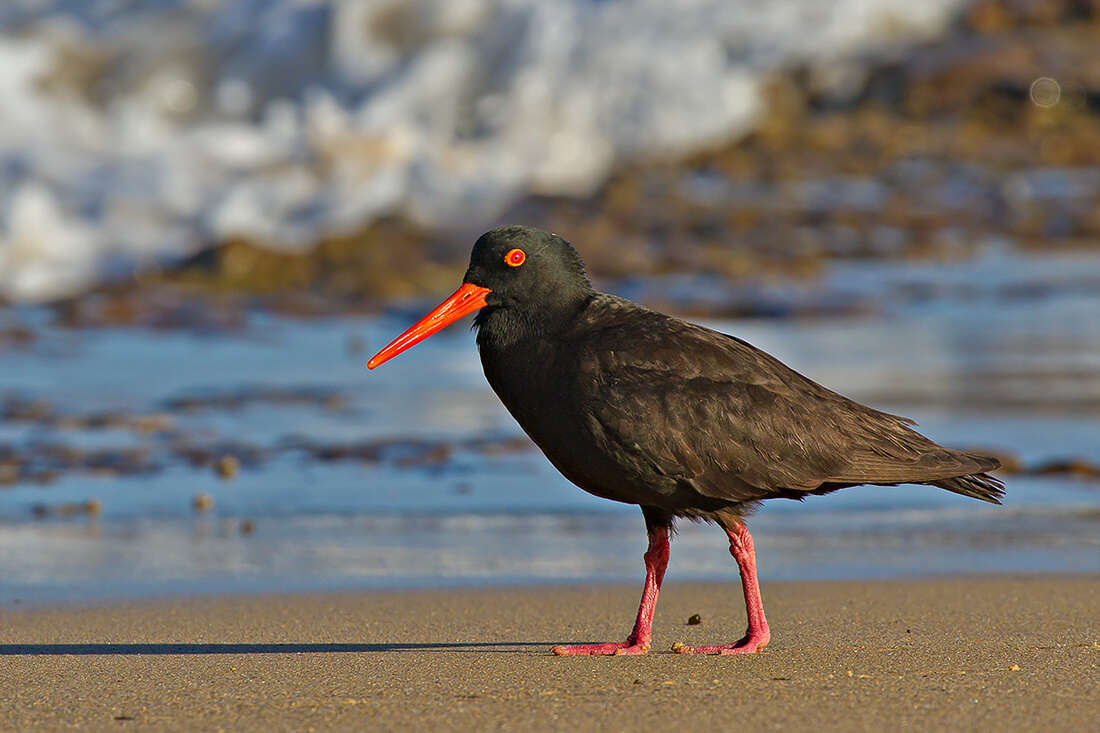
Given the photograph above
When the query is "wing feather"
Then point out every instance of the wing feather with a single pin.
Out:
(735, 423)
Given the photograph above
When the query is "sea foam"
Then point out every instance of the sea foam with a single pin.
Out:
(143, 130)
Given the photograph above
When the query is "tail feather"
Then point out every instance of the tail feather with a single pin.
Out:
(976, 485)
(956, 471)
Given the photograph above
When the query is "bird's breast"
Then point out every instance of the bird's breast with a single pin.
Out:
(536, 385)
(539, 386)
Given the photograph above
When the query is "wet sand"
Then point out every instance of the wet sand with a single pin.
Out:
(964, 654)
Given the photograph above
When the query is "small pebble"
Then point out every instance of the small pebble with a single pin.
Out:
(9, 473)
(694, 620)
(226, 467)
(202, 502)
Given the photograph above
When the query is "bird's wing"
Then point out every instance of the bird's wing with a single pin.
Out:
(709, 409)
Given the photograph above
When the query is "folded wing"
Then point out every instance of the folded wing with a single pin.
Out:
(737, 424)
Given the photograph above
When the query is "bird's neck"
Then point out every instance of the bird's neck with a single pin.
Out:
(510, 325)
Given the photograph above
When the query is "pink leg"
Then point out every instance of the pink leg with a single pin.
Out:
(656, 560)
(758, 635)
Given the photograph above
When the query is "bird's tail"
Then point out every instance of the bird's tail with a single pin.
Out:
(977, 485)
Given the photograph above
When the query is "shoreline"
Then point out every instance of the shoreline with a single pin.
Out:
(1011, 652)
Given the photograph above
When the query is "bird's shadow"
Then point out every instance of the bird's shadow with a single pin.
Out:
(152, 649)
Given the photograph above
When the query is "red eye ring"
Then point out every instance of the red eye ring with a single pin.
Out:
(515, 257)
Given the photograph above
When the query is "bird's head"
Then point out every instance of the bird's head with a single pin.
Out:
(532, 279)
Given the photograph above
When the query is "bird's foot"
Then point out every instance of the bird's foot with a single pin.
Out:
(748, 644)
(616, 648)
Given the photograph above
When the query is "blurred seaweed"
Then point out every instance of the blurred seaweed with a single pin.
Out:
(345, 153)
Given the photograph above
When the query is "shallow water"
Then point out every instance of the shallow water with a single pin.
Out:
(412, 475)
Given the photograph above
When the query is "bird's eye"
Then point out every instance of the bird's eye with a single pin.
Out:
(515, 257)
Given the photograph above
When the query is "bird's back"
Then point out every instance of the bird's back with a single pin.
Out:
(637, 406)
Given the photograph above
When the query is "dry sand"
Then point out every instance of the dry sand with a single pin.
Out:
(969, 654)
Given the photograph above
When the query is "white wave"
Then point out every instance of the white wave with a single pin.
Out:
(145, 129)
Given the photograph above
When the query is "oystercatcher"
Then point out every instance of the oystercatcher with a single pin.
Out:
(640, 407)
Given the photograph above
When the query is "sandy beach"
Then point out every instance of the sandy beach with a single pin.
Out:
(991, 653)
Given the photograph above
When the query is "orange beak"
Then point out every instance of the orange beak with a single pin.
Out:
(465, 301)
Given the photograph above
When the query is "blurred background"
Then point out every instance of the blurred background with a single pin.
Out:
(213, 211)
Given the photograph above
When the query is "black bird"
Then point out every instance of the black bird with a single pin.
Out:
(640, 407)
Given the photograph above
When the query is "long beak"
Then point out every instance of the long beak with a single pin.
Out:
(465, 301)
